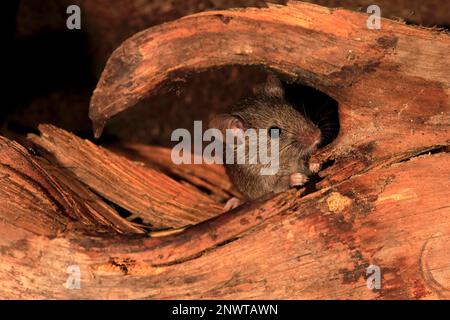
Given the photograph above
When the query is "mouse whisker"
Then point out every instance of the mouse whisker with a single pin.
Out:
(286, 146)
(304, 110)
(321, 108)
(322, 120)
(328, 125)
(289, 131)
(326, 121)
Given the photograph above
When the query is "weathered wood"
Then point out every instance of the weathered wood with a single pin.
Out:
(211, 177)
(318, 246)
(330, 49)
(382, 199)
(153, 196)
(39, 198)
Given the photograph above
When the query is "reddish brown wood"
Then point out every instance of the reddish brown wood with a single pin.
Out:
(148, 193)
(383, 201)
(39, 198)
(209, 176)
(317, 246)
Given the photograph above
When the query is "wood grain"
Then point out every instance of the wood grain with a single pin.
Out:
(381, 198)
(315, 247)
(153, 196)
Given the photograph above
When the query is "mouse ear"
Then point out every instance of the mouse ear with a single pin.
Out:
(226, 121)
(272, 87)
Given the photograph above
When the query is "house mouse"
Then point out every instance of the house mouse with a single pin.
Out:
(298, 137)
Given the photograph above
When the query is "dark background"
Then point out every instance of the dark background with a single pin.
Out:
(50, 71)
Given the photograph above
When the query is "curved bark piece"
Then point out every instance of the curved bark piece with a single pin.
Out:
(211, 177)
(299, 40)
(330, 49)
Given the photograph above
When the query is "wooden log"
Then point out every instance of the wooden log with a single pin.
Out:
(382, 200)
(151, 195)
(318, 246)
(39, 198)
(207, 176)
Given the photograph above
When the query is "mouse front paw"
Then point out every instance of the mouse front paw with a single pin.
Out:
(297, 179)
(231, 204)
(314, 167)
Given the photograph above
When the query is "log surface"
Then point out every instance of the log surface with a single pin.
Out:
(381, 198)
(146, 192)
(287, 246)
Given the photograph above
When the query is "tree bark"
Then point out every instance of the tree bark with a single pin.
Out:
(382, 197)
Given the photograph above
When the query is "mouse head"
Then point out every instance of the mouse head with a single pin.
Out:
(268, 110)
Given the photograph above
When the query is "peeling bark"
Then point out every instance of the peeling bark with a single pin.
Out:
(382, 197)
(286, 246)
(153, 196)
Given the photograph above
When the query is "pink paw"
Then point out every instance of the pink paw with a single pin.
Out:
(297, 179)
(231, 204)
(314, 167)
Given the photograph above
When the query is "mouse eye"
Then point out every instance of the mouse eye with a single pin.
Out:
(272, 131)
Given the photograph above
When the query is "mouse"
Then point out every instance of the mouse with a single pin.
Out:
(298, 138)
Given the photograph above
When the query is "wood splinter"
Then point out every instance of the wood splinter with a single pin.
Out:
(382, 201)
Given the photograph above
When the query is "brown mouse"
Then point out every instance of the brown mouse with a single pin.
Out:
(298, 138)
